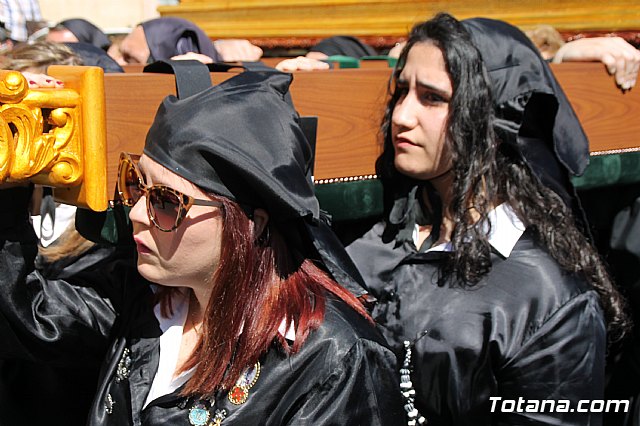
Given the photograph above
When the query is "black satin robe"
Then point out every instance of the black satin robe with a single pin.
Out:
(527, 330)
(64, 392)
(343, 375)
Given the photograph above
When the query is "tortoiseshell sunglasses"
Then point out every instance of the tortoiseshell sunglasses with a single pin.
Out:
(166, 207)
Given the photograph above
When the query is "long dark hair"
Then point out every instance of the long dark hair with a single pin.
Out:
(487, 173)
(260, 281)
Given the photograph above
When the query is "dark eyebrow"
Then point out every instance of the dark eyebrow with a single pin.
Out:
(426, 86)
(430, 87)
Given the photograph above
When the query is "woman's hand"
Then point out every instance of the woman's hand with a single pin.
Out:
(621, 58)
(301, 63)
(193, 56)
(238, 50)
(38, 81)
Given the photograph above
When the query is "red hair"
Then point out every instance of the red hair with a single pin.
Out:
(257, 285)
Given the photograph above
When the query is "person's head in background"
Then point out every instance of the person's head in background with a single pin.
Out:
(342, 46)
(161, 39)
(78, 30)
(37, 57)
(86, 41)
(547, 39)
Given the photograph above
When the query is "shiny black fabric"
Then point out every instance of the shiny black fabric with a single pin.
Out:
(516, 71)
(527, 330)
(64, 392)
(242, 139)
(533, 114)
(86, 32)
(168, 37)
(239, 139)
(95, 57)
(345, 46)
(343, 375)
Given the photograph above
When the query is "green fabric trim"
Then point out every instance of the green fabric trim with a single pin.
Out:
(344, 61)
(351, 62)
(347, 201)
(363, 199)
(610, 170)
(390, 61)
(351, 200)
(111, 226)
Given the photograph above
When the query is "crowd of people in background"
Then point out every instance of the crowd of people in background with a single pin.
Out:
(177, 38)
(485, 279)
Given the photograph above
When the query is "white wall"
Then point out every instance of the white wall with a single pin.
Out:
(106, 14)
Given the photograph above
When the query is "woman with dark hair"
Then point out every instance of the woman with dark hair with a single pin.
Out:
(233, 315)
(487, 287)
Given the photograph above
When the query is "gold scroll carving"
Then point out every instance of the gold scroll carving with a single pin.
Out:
(48, 137)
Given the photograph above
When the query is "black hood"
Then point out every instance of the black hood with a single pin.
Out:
(239, 139)
(95, 57)
(86, 32)
(242, 139)
(533, 114)
(168, 37)
(344, 45)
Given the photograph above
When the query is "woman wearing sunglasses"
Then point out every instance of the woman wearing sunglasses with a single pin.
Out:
(233, 315)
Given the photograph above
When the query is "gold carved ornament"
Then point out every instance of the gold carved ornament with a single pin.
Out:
(56, 137)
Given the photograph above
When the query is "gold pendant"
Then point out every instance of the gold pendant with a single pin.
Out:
(218, 418)
(238, 395)
(240, 391)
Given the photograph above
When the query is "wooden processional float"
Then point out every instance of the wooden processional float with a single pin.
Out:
(71, 138)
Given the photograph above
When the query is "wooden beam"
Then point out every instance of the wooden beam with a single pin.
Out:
(609, 117)
(350, 105)
(308, 19)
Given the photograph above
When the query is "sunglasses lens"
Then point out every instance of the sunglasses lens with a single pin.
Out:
(165, 206)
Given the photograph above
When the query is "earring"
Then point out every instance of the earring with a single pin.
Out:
(264, 238)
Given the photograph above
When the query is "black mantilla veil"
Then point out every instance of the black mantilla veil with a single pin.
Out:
(533, 119)
(168, 37)
(86, 32)
(242, 139)
(344, 45)
(532, 113)
(95, 57)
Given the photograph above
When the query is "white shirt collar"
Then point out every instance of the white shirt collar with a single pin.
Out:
(289, 334)
(506, 228)
(163, 382)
